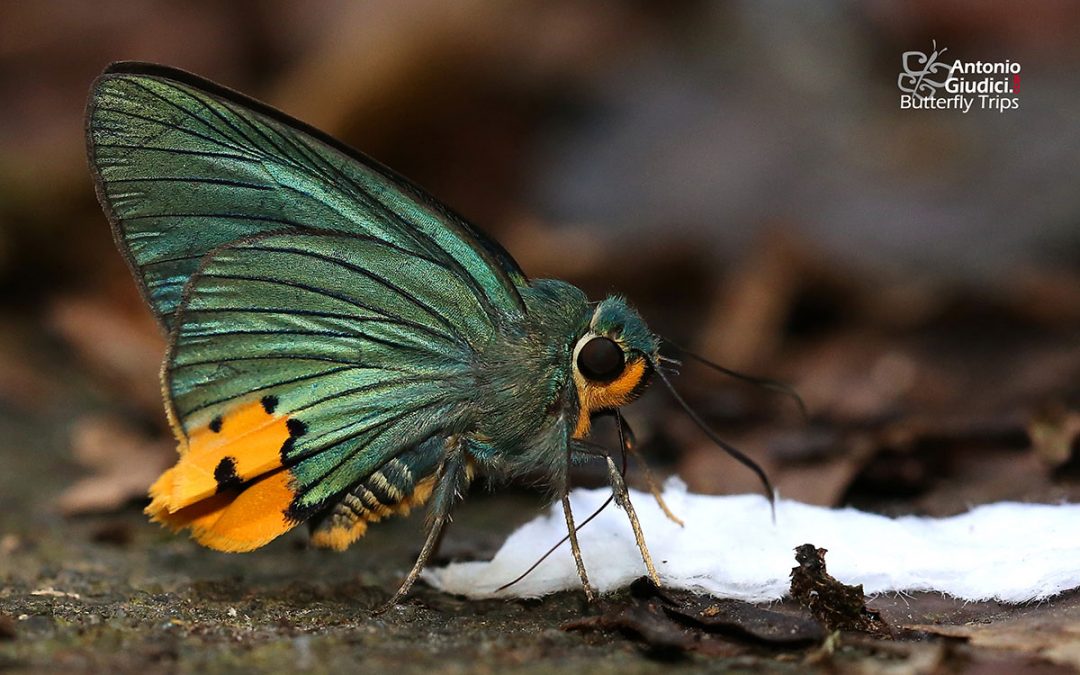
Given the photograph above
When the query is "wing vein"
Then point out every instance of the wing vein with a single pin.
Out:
(189, 114)
(330, 294)
(180, 151)
(192, 179)
(365, 388)
(371, 428)
(274, 385)
(175, 127)
(385, 283)
(173, 367)
(356, 335)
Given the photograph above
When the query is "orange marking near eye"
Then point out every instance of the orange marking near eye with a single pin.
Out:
(248, 436)
(232, 521)
(593, 396)
(341, 537)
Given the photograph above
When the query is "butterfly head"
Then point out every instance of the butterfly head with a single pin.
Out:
(612, 361)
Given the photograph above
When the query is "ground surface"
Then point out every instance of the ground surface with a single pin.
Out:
(114, 593)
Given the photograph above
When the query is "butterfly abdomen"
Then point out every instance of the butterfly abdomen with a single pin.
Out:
(399, 485)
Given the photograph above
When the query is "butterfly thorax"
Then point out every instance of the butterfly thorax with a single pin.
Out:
(525, 400)
(539, 381)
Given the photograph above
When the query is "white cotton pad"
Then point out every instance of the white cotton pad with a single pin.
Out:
(730, 548)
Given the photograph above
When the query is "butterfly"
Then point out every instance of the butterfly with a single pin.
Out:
(341, 346)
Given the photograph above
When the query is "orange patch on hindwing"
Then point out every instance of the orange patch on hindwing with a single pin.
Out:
(228, 487)
(237, 520)
(243, 443)
(596, 396)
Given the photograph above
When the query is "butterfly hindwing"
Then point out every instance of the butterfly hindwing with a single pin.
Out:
(184, 166)
(300, 364)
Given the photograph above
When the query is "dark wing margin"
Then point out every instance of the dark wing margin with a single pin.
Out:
(182, 165)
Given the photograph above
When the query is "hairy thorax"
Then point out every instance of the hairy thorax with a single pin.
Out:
(527, 407)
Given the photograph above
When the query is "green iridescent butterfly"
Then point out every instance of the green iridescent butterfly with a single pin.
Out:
(342, 347)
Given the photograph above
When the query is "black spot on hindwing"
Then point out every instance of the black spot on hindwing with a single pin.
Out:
(269, 404)
(296, 428)
(225, 474)
(215, 424)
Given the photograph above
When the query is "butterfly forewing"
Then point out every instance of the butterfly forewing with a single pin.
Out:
(184, 166)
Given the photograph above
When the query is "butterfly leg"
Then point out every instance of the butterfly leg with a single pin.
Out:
(622, 498)
(449, 482)
(629, 444)
(631, 447)
(575, 549)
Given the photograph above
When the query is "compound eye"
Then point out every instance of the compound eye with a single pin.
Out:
(600, 359)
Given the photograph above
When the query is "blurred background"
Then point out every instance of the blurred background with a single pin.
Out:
(742, 171)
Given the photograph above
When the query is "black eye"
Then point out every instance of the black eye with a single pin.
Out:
(600, 359)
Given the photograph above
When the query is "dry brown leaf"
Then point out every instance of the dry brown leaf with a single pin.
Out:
(7, 628)
(1055, 434)
(122, 345)
(837, 605)
(745, 325)
(670, 622)
(23, 383)
(1052, 632)
(803, 464)
(123, 463)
